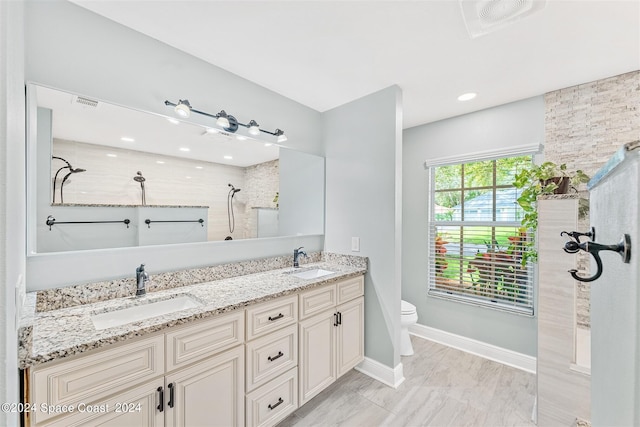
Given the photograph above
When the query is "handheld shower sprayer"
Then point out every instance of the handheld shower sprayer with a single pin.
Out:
(230, 214)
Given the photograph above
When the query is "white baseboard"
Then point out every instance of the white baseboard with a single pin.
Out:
(479, 348)
(392, 377)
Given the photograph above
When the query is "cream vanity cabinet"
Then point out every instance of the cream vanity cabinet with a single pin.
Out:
(249, 367)
(192, 375)
(331, 332)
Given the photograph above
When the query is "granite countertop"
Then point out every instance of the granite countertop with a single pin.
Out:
(55, 334)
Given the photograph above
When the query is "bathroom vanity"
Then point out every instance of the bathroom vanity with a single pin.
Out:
(249, 350)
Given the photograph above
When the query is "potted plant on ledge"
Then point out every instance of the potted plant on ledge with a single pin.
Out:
(544, 179)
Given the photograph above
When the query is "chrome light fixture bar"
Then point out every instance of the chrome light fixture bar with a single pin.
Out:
(226, 121)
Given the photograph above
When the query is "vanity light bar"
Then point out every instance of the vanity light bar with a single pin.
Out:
(226, 121)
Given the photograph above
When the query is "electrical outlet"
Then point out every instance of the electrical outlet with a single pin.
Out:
(355, 244)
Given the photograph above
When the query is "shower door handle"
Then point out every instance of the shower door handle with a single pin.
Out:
(623, 247)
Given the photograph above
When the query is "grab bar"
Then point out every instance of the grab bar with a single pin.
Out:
(51, 221)
(201, 221)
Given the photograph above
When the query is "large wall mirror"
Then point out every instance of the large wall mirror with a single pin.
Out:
(106, 176)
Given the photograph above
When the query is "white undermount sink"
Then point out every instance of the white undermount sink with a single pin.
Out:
(312, 274)
(121, 317)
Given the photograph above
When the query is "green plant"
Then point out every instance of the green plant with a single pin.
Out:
(546, 178)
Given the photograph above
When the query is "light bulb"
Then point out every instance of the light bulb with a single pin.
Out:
(183, 109)
(223, 119)
(281, 136)
(254, 128)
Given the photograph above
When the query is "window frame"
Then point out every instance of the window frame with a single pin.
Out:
(466, 298)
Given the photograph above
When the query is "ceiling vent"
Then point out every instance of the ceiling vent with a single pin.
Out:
(85, 102)
(218, 135)
(485, 16)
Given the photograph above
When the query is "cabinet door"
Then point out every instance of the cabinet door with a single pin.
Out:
(96, 375)
(350, 340)
(210, 393)
(317, 358)
(137, 407)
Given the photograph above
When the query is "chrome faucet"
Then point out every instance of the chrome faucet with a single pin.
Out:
(296, 255)
(142, 277)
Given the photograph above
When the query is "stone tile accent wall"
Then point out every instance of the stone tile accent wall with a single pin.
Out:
(584, 126)
(262, 182)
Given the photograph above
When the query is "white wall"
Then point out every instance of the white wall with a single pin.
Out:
(12, 196)
(70, 48)
(500, 128)
(363, 143)
(302, 180)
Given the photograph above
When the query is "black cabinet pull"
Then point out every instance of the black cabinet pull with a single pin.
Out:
(335, 319)
(279, 316)
(277, 356)
(339, 318)
(171, 389)
(160, 406)
(275, 405)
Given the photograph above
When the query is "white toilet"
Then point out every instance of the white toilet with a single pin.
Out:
(408, 317)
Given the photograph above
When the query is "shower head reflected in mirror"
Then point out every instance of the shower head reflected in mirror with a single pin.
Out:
(55, 178)
(233, 190)
(141, 179)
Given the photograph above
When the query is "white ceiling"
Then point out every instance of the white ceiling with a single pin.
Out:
(326, 53)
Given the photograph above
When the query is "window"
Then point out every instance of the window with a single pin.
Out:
(475, 237)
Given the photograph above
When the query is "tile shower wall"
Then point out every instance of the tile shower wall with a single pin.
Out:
(169, 181)
(584, 126)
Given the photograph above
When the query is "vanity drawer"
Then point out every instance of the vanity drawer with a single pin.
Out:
(350, 289)
(199, 340)
(272, 315)
(271, 355)
(317, 300)
(95, 376)
(274, 401)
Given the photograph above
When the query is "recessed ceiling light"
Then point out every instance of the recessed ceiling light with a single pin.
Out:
(188, 177)
(467, 96)
(212, 130)
(127, 139)
(160, 162)
(173, 121)
(268, 144)
(198, 167)
(185, 149)
(111, 155)
(228, 157)
(241, 138)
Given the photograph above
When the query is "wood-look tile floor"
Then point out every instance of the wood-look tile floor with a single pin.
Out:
(443, 387)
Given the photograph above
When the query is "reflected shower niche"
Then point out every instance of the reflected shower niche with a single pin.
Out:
(149, 179)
